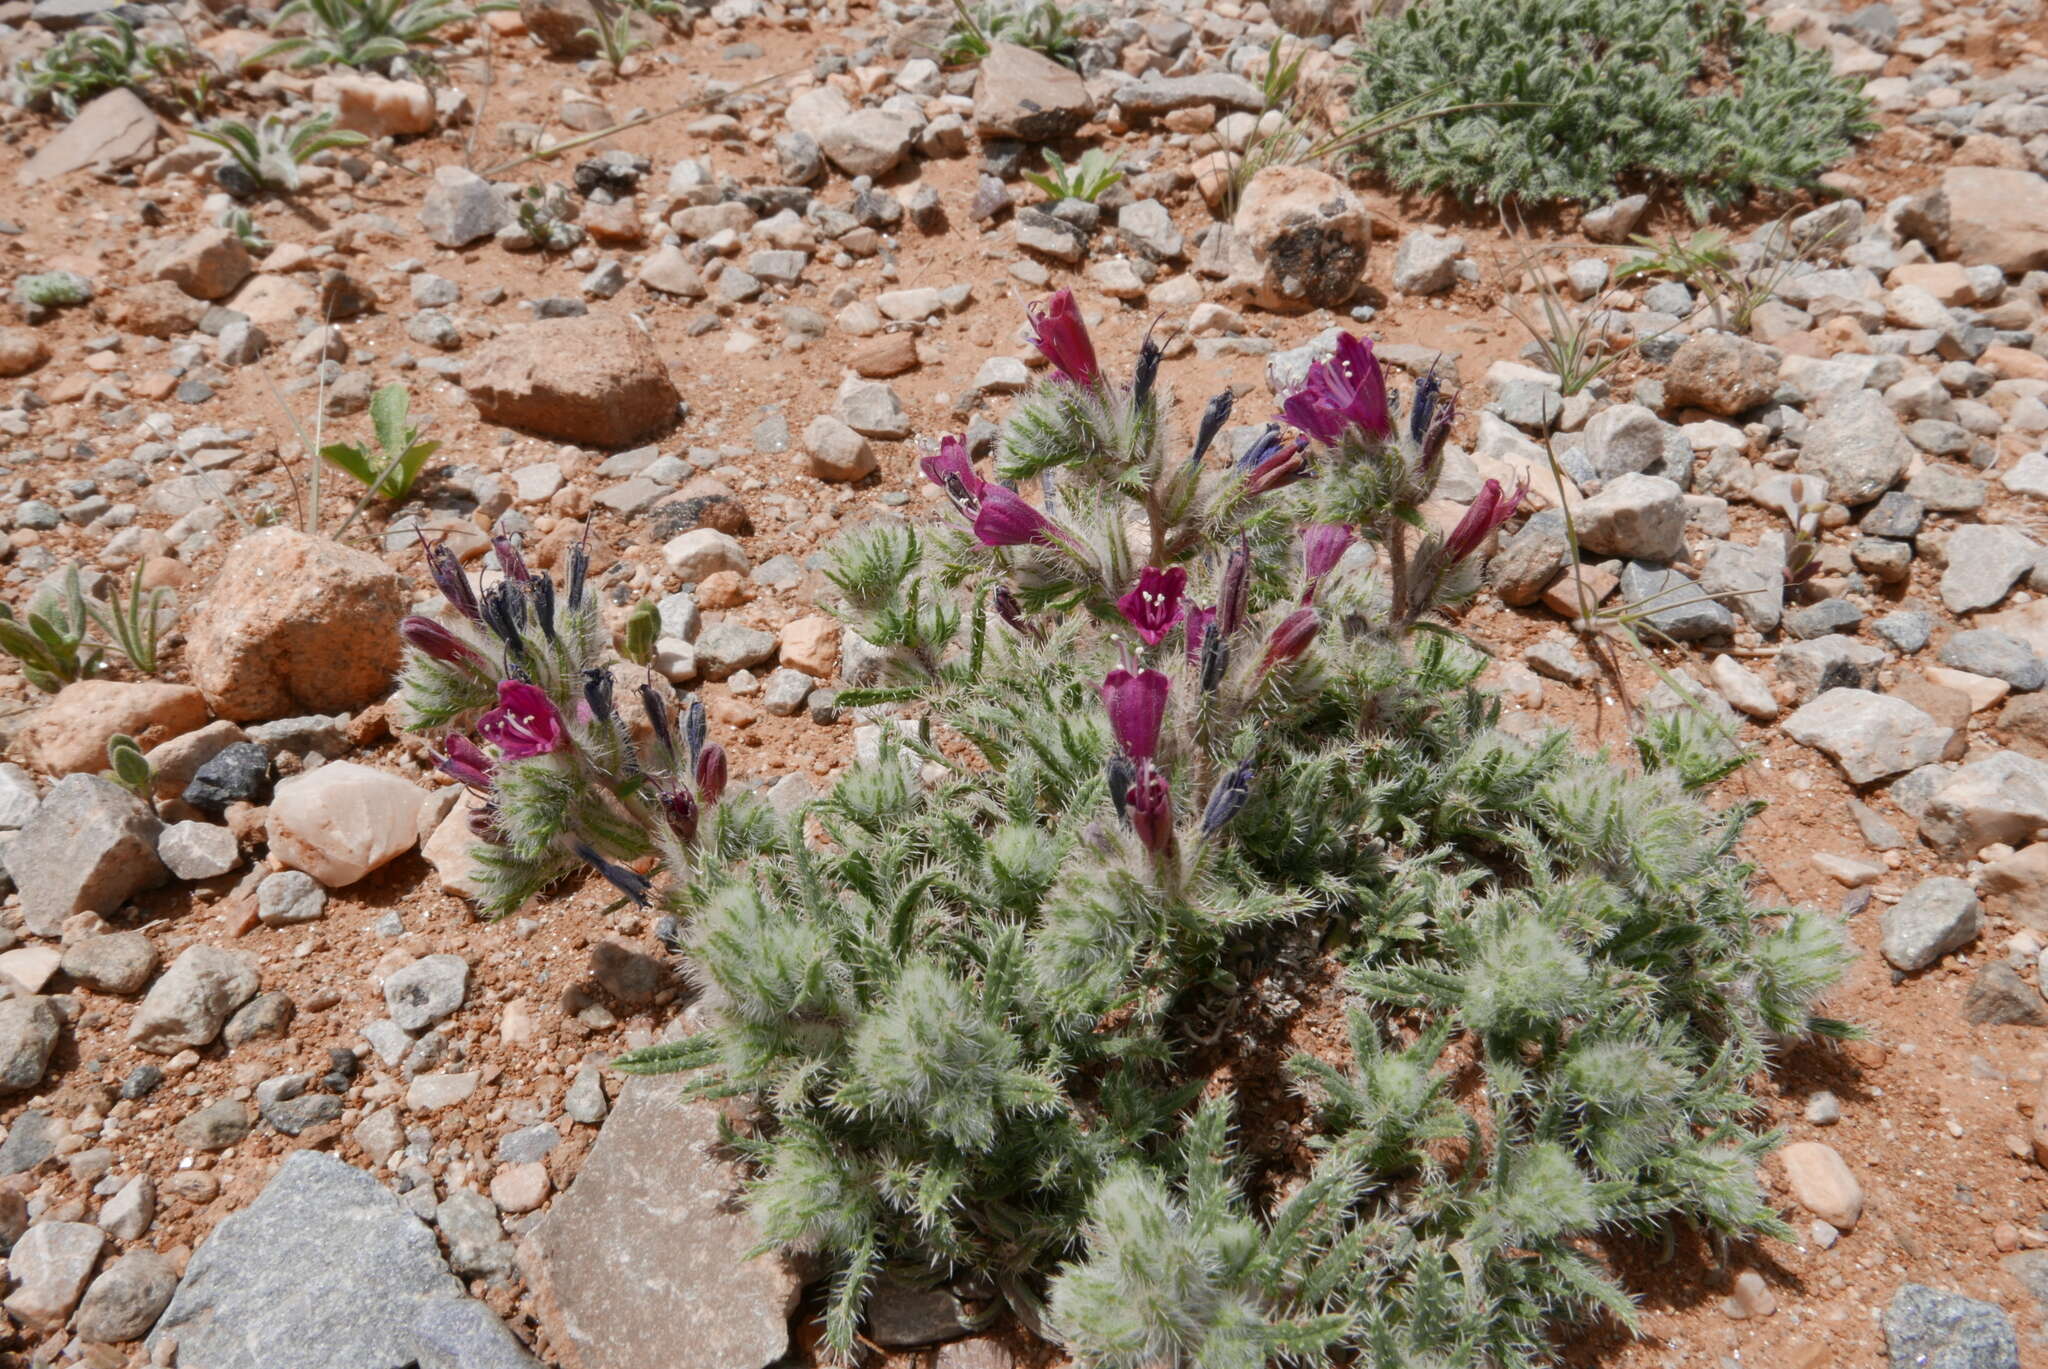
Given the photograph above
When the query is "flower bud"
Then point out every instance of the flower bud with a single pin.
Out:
(711, 773)
(428, 637)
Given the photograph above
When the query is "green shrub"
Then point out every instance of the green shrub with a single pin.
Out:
(1165, 728)
(1587, 98)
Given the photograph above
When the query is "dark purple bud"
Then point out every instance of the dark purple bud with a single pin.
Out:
(1137, 706)
(1262, 447)
(1322, 546)
(597, 694)
(1423, 406)
(579, 569)
(1439, 432)
(1200, 623)
(1227, 798)
(693, 729)
(1121, 774)
(431, 639)
(1214, 416)
(1215, 659)
(656, 708)
(509, 559)
(464, 760)
(1006, 520)
(1283, 465)
(1010, 611)
(1151, 809)
(1291, 638)
(1230, 594)
(711, 773)
(628, 882)
(504, 610)
(1150, 354)
(543, 591)
(681, 811)
(1062, 336)
(449, 579)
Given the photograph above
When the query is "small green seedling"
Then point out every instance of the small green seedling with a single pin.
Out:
(389, 471)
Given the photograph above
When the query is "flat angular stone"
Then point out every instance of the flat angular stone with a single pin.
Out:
(1939, 915)
(188, 1005)
(1984, 562)
(113, 131)
(90, 847)
(640, 1262)
(1871, 736)
(1927, 1328)
(1020, 93)
(343, 820)
(2002, 798)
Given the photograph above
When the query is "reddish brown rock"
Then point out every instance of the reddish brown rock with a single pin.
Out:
(70, 736)
(1299, 241)
(296, 624)
(596, 380)
(21, 351)
(209, 265)
(156, 309)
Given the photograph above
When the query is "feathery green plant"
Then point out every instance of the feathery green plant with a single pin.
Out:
(359, 33)
(1210, 709)
(1591, 96)
(270, 152)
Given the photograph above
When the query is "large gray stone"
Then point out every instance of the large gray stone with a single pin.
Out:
(2003, 797)
(1673, 605)
(1638, 516)
(1858, 447)
(125, 1301)
(461, 208)
(189, 1004)
(1020, 93)
(640, 1263)
(1871, 736)
(1984, 562)
(90, 847)
(328, 1270)
(29, 1028)
(114, 131)
(1939, 915)
(1925, 1328)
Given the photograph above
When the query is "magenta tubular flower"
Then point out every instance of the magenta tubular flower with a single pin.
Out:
(1060, 334)
(1344, 393)
(711, 773)
(951, 470)
(1137, 706)
(1291, 638)
(1151, 805)
(1155, 604)
(681, 811)
(465, 760)
(430, 638)
(1197, 624)
(1488, 512)
(525, 722)
(1280, 462)
(1005, 519)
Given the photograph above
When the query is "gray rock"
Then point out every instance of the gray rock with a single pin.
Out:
(900, 1314)
(198, 850)
(868, 142)
(1147, 228)
(29, 1028)
(1529, 559)
(125, 1300)
(49, 1266)
(288, 897)
(1037, 231)
(1939, 915)
(1719, 372)
(1983, 651)
(426, 991)
(191, 1002)
(128, 1215)
(1858, 447)
(1630, 439)
(1998, 997)
(461, 208)
(798, 157)
(872, 409)
(216, 1126)
(528, 1144)
(267, 1016)
(1819, 620)
(238, 773)
(30, 1141)
(785, 691)
(681, 1293)
(1871, 736)
(585, 1100)
(1749, 580)
(679, 617)
(730, 647)
(18, 797)
(1152, 95)
(89, 848)
(1672, 604)
(1815, 666)
(1637, 516)
(1947, 491)
(632, 977)
(1897, 515)
(117, 962)
(2003, 797)
(1984, 562)
(1425, 264)
(1925, 1328)
(1613, 223)
(1908, 630)
(384, 1296)
(477, 1247)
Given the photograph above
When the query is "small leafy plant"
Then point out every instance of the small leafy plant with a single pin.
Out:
(130, 768)
(1734, 283)
(1088, 179)
(1157, 724)
(1578, 99)
(388, 470)
(613, 34)
(88, 62)
(50, 639)
(268, 155)
(359, 33)
(1040, 25)
(132, 621)
(542, 212)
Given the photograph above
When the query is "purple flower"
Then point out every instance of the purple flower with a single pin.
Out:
(1137, 706)
(1341, 394)
(681, 811)
(525, 722)
(509, 559)
(952, 470)
(1151, 805)
(465, 760)
(453, 584)
(1060, 334)
(1199, 620)
(1004, 519)
(1154, 605)
(1227, 798)
(1488, 512)
(711, 773)
(1290, 639)
(1323, 545)
(430, 638)
(1274, 460)
(1230, 594)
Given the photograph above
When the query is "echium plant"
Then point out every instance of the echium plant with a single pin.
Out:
(1152, 715)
